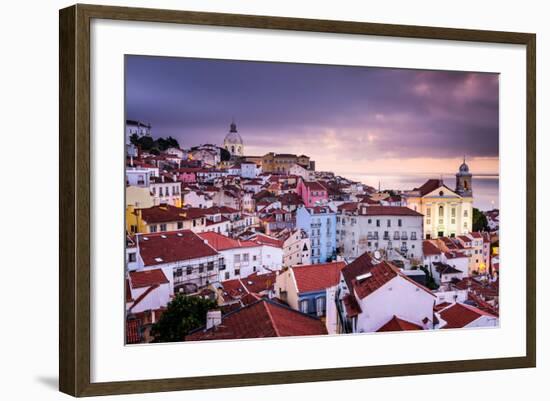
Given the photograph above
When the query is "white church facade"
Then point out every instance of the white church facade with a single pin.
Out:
(447, 212)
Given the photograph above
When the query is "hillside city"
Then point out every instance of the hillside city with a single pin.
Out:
(224, 245)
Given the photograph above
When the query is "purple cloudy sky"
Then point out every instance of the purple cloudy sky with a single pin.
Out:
(352, 120)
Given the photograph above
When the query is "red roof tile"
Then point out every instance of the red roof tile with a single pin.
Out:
(261, 319)
(314, 186)
(172, 246)
(380, 275)
(388, 211)
(429, 248)
(147, 278)
(459, 315)
(133, 331)
(167, 213)
(351, 305)
(397, 324)
(267, 240)
(310, 278)
(220, 242)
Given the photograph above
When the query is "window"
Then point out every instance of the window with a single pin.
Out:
(163, 227)
(201, 268)
(413, 235)
(254, 257)
(389, 223)
(399, 223)
(246, 257)
(320, 306)
(237, 272)
(377, 223)
(304, 306)
(453, 212)
(180, 225)
(210, 266)
(153, 228)
(160, 192)
(227, 275)
(132, 257)
(188, 270)
(236, 258)
(440, 211)
(133, 228)
(466, 213)
(429, 212)
(370, 221)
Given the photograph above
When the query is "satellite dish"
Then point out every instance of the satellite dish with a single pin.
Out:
(377, 254)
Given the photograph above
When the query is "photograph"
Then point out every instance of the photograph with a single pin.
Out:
(268, 199)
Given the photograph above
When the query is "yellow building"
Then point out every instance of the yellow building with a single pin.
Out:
(446, 212)
(164, 218)
(139, 197)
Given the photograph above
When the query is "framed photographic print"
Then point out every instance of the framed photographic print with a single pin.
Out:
(250, 200)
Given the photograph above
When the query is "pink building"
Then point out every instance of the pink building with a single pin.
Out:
(187, 175)
(312, 192)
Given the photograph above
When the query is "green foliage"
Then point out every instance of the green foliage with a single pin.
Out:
(225, 155)
(183, 314)
(479, 221)
(154, 146)
(430, 281)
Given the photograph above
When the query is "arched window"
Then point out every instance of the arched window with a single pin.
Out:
(440, 211)
(466, 185)
(232, 149)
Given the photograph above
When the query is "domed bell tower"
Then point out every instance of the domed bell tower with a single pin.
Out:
(464, 180)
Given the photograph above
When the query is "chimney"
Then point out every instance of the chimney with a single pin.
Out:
(213, 318)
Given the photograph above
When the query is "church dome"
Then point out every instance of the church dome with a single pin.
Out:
(464, 169)
(233, 136)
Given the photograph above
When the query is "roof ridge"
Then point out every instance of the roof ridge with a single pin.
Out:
(272, 320)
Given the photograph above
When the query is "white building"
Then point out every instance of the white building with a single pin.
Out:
(389, 229)
(446, 212)
(243, 258)
(373, 293)
(186, 260)
(250, 170)
(460, 315)
(165, 189)
(147, 290)
(198, 199)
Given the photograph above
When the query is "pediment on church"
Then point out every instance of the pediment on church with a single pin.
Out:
(442, 192)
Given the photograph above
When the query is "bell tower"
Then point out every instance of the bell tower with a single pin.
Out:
(464, 180)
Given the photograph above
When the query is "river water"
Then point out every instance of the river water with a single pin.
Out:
(485, 187)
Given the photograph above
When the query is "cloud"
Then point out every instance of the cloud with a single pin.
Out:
(339, 114)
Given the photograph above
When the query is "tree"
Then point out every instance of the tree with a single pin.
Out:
(225, 155)
(430, 281)
(182, 315)
(479, 221)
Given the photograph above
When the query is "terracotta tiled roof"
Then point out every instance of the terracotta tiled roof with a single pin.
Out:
(314, 186)
(348, 207)
(352, 307)
(310, 278)
(459, 315)
(359, 266)
(267, 240)
(397, 324)
(430, 249)
(163, 214)
(380, 275)
(133, 331)
(221, 243)
(147, 278)
(388, 211)
(172, 246)
(261, 319)
(429, 186)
